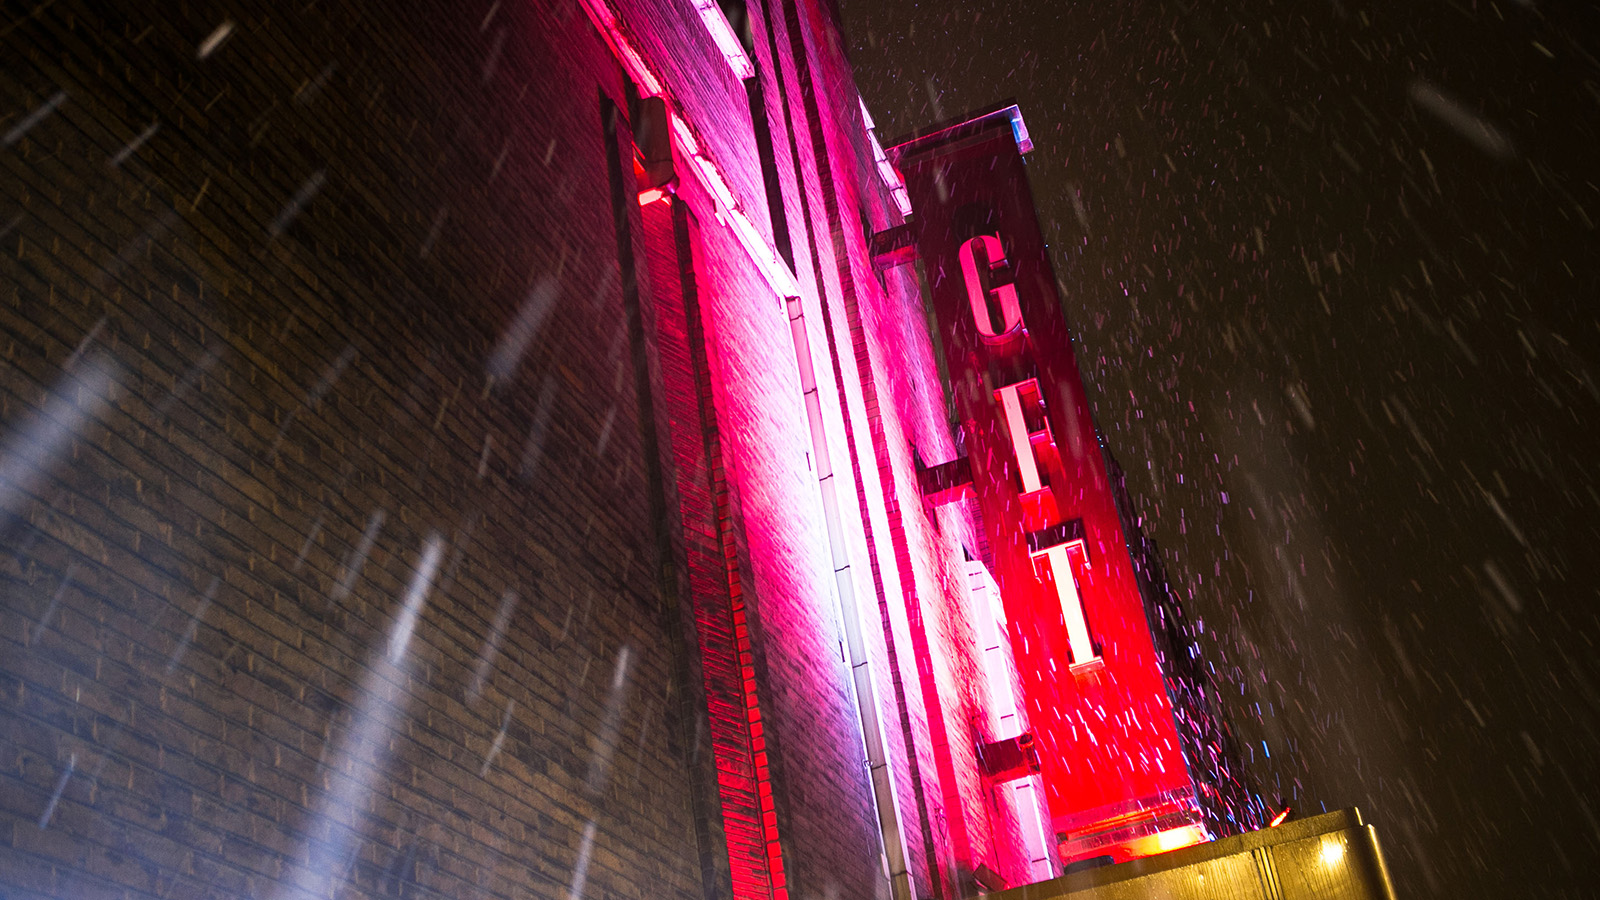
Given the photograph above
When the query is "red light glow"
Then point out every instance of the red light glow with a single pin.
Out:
(1279, 818)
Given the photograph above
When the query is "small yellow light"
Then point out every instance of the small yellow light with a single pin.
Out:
(1332, 852)
(1174, 838)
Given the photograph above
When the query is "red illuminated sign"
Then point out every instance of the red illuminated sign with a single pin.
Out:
(1114, 774)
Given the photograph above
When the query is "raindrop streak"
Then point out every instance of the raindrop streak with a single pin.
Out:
(416, 595)
(313, 398)
(50, 611)
(1498, 578)
(433, 232)
(605, 432)
(41, 442)
(491, 644)
(309, 91)
(311, 538)
(483, 458)
(493, 61)
(33, 118)
(84, 345)
(538, 431)
(190, 379)
(136, 248)
(359, 760)
(55, 796)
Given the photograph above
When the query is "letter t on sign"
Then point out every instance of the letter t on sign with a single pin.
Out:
(1058, 569)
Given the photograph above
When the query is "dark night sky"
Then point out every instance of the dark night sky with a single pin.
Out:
(1333, 273)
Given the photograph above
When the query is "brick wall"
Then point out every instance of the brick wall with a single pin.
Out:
(340, 330)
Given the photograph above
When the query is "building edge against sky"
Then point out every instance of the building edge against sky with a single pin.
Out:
(480, 454)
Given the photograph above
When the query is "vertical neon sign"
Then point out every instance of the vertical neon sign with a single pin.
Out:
(1114, 776)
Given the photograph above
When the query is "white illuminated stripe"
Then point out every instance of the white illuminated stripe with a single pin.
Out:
(886, 170)
(1060, 565)
(1021, 444)
(727, 41)
(606, 21)
(776, 273)
(731, 212)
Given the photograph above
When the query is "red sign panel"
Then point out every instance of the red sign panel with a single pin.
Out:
(1115, 776)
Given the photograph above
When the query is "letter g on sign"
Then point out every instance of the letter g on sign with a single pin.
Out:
(1005, 295)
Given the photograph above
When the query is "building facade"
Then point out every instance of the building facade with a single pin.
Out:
(477, 452)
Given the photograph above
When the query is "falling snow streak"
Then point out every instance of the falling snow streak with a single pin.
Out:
(21, 129)
(313, 398)
(41, 442)
(513, 344)
(132, 147)
(357, 558)
(356, 770)
(491, 644)
(610, 726)
(298, 202)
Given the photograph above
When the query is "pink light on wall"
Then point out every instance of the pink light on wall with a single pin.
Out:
(717, 585)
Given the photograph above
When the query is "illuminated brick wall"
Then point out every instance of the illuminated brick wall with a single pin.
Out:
(385, 502)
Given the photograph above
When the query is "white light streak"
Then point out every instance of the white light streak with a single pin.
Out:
(33, 118)
(491, 644)
(580, 868)
(40, 444)
(886, 170)
(55, 796)
(334, 834)
(214, 40)
(133, 146)
(416, 596)
(727, 41)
